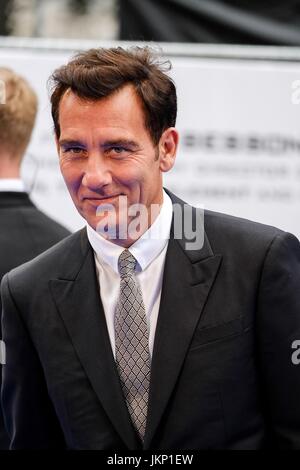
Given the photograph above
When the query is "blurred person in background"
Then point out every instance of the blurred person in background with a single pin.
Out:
(142, 341)
(25, 230)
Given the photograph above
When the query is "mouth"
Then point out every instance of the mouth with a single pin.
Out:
(103, 199)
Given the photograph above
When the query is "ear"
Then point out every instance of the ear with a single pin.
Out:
(167, 146)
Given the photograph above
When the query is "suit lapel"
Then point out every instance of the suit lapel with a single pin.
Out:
(78, 301)
(188, 278)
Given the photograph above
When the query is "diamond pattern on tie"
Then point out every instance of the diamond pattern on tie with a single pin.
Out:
(132, 345)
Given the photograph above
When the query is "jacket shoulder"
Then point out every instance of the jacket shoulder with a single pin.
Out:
(58, 260)
(42, 223)
(219, 226)
(226, 232)
(233, 224)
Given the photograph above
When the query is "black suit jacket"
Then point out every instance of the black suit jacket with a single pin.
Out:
(25, 233)
(222, 374)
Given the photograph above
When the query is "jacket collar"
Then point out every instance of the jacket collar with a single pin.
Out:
(10, 199)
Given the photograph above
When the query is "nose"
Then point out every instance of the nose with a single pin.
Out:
(97, 172)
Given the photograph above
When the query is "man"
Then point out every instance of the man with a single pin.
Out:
(25, 230)
(124, 336)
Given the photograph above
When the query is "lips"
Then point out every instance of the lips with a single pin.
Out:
(97, 201)
(103, 198)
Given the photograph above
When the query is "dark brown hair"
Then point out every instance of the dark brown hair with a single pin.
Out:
(97, 73)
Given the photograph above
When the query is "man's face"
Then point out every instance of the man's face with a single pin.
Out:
(106, 152)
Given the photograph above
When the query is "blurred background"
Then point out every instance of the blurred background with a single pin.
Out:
(236, 64)
(87, 19)
(205, 21)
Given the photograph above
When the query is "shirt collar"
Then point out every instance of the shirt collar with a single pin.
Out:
(145, 249)
(12, 184)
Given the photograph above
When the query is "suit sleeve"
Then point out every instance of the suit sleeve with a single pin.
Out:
(278, 332)
(29, 416)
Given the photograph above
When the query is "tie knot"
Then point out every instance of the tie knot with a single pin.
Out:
(127, 263)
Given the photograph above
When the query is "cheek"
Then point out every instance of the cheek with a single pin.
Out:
(72, 177)
(136, 172)
(127, 175)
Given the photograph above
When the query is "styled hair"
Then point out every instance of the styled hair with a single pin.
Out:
(98, 73)
(18, 109)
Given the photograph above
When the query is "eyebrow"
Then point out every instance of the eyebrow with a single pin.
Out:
(107, 144)
(120, 143)
(73, 143)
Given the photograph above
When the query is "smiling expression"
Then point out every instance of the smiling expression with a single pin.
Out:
(105, 152)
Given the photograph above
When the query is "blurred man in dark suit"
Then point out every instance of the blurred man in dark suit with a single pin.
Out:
(122, 337)
(25, 230)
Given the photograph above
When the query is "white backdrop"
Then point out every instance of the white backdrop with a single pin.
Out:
(240, 143)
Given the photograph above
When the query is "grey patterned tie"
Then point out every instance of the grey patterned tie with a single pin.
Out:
(131, 341)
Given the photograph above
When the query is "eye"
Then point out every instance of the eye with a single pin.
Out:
(73, 152)
(76, 150)
(118, 149)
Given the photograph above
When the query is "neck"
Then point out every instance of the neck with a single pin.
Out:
(9, 166)
(12, 173)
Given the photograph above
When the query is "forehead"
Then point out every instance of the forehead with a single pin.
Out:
(121, 109)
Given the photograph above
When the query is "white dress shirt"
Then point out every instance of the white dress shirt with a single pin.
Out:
(150, 252)
(12, 185)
